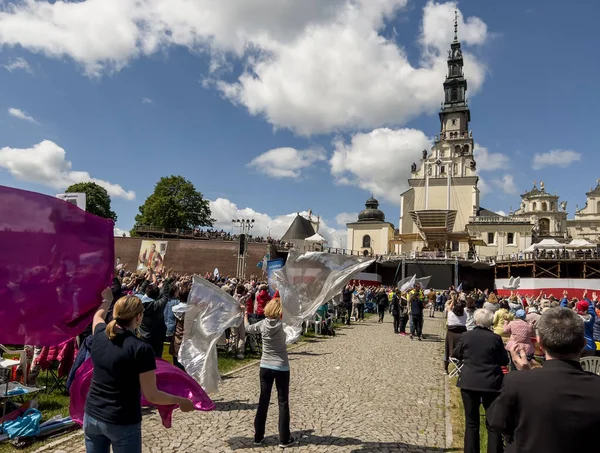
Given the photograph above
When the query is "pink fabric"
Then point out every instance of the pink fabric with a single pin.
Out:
(64, 353)
(520, 334)
(55, 261)
(169, 379)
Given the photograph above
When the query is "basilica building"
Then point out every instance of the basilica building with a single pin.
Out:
(441, 213)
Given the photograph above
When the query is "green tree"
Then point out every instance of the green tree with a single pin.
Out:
(97, 199)
(175, 203)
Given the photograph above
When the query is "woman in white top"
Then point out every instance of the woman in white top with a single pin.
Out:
(457, 320)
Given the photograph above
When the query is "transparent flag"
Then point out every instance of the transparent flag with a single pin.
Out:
(309, 280)
(208, 313)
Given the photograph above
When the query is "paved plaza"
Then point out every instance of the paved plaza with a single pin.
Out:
(366, 390)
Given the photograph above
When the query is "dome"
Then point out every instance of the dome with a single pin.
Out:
(372, 212)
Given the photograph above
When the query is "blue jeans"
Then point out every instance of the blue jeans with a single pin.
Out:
(99, 437)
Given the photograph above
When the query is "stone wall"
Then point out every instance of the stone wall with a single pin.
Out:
(196, 256)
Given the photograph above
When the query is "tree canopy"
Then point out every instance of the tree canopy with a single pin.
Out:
(97, 199)
(175, 203)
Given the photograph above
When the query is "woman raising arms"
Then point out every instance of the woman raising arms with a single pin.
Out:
(124, 366)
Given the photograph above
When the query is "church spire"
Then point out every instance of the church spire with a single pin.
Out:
(455, 26)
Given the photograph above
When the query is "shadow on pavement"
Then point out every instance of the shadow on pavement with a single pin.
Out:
(308, 437)
(236, 405)
(308, 353)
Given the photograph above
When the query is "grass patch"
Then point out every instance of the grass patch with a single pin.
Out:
(457, 416)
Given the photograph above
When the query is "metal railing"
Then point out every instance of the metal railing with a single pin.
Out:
(499, 219)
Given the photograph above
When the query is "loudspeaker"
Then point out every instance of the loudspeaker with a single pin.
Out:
(242, 244)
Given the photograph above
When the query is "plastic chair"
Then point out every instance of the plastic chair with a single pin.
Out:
(22, 353)
(591, 364)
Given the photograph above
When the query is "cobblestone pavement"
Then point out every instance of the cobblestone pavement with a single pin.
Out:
(366, 390)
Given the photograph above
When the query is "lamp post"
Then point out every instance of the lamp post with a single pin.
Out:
(245, 225)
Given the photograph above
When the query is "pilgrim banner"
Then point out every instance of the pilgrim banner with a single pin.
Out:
(272, 266)
(152, 255)
(56, 259)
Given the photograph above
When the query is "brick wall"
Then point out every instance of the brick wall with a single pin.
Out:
(193, 256)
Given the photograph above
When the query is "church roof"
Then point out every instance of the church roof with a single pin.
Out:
(535, 192)
(595, 191)
(371, 213)
(482, 212)
(300, 229)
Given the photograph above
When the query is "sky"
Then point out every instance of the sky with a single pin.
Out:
(273, 107)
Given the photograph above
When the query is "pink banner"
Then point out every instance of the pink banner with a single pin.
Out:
(169, 379)
(55, 259)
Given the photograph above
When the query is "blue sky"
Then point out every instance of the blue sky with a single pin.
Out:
(331, 99)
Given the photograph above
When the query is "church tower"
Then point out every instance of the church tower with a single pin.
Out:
(443, 192)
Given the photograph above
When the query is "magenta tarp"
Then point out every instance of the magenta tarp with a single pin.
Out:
(55, 259)
(169, 379)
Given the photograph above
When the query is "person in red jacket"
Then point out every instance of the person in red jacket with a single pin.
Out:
(262, 299)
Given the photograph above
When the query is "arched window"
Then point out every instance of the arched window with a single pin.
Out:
(366, 241)
(457, 150)
(454, 70)
(454, 95)
(544, 206)
(544, 227)
(466, 149)
(534, 206)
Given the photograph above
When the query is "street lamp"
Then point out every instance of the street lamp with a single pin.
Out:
(245, 226)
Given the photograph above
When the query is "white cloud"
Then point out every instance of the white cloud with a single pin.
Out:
(118, 232)
(313, 66)
(18, 63)
(346, 217)
(20, 114)
(78, 30)
(46, 164)
(358, 79)
(557, 157)
(506, 184)
(379, 161)
(287, 162)
(502, 213)
(224, 211)
(487, 161)
(147, 101)
(483, 186)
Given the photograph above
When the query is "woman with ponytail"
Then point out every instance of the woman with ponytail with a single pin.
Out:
(124, 366)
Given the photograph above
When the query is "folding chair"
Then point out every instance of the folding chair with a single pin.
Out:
(457, 367)
(53, 381)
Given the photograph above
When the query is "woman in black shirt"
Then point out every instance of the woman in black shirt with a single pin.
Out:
(124, 366)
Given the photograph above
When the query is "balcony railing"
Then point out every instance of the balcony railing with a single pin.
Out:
(499, 219)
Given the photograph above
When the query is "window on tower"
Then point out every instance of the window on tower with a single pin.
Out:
(454, 95)
(454, 122)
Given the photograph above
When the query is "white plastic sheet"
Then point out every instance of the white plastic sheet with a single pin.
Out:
(208, 313)
(409, 283)
(309, 280)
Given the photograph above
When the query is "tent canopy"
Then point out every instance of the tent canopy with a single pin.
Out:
(316, 238)
(581, 244)
(548, 244)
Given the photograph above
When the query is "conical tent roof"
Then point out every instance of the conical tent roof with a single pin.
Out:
(300, 229)
(316, 238)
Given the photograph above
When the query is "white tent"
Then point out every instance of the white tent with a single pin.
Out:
(581, 244)
(316, 238)
(548, 244)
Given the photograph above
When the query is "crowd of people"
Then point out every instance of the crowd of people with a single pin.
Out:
(492, 339)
